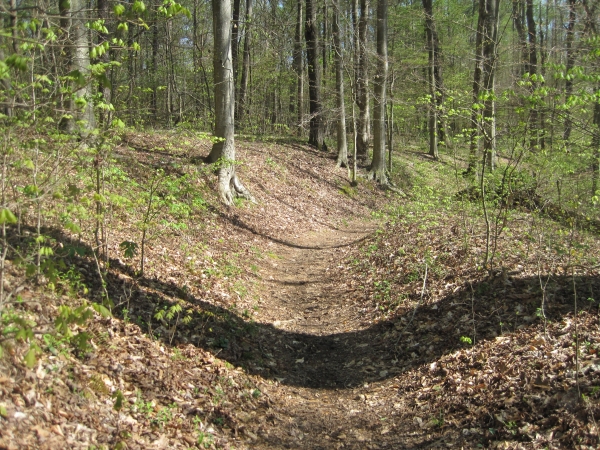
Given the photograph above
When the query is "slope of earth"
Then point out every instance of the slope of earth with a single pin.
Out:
(295, 322)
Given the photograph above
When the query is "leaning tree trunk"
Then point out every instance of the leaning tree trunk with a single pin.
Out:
(342, 146)
(378, 164)
(224, 150)
(316, 132)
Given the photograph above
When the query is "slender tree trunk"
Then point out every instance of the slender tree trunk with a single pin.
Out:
(379, 140)
(433, 119)
(596, 145)
(489, 77)
(342, 146)
(533, 65)
(299, 68)
(104, 87)
(154, 62)
(316, 133)
(229, 185)
(246, 61)
(518, 14)
(569, 68)
(235, 36)
(477, 78)
(362, 83)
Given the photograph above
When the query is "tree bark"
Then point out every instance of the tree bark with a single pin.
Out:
(316, 136)
(241, 108)
(477, 75)
(569, 67)
(342, 146)
(224, 150)
(82, 119)
(362, 84)
(532, 66)
(433, 111)
(489, 76)
(379, 140)
(299, 67)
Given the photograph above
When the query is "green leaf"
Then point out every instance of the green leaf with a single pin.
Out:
(100, 309)
(16, 62)
(118, 10)
(118, 396)
(7, 217)
(3, 411)
(30, 357)
(138, 6)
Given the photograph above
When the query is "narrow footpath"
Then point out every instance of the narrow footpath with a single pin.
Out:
(333, 384)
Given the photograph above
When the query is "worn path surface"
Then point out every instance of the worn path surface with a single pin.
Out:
(334, 384)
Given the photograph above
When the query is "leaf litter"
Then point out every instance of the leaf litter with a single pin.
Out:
(312, 328)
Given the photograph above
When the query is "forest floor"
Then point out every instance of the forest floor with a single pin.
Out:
(324, 316)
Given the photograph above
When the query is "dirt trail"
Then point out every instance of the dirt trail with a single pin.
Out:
(333, 386)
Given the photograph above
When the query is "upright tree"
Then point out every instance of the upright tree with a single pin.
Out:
(316, 136)
(245, 61)
(362, 82)
(431, 36)
(342, 147)
(298, 63)
(380, 83)
(224, 149)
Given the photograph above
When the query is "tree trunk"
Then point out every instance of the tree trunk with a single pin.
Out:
(378, 164)
(477, 75)
(299, 68)
(342, 146)
(82, 108)
(246, 62)
(532, 59)
(518, 13)
(105, 115)
(569, 68)
(489, 75)
(316, 133)
(433, 119)
(224, 151)
(362, 84)
(235, 33)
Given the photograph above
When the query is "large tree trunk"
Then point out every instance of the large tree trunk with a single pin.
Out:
(224, 150)
(316, 133)
(362, 84)
(82, 108)
(342, 146)
(379, 140)
(245, 63)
